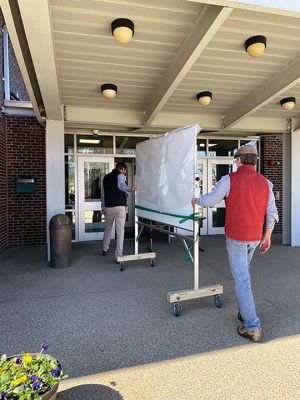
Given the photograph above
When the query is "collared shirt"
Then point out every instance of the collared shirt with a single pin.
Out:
(121, 186)
(222, 190)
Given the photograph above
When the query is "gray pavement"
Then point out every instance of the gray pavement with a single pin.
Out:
(96, 318)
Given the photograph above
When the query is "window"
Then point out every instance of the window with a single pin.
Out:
(127, 144)
(201, 147)
(89, 144)
(222, 148)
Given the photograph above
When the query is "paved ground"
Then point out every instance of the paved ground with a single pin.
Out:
(116, 337)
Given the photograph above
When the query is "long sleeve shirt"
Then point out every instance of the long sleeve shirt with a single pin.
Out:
(222, 190)
(121, 186)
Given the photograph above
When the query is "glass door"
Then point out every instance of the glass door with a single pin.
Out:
(91, 171)
(216, 215)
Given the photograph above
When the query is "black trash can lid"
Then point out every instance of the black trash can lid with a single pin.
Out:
(59, 220)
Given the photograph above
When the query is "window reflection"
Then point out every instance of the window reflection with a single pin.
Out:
(94, 173)
(127, 144)
(201, 147)
(89, 144)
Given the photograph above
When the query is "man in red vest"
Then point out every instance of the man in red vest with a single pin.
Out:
(249, 198)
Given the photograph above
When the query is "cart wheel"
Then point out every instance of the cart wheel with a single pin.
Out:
(121, 266)
(176, 309)
(217, 300)
(152, 262)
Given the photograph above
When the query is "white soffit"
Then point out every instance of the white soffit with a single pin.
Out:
(167, 63)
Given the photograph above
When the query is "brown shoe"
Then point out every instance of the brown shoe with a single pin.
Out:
(255, 336)
(104, 253)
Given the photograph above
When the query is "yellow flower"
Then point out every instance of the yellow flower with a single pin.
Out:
(18, 381)
(27, 359)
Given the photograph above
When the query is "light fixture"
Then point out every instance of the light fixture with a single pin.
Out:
(288, 103)
(255, 46)
(122, 30)
(89, 141)
(109, 90)
(204, 98)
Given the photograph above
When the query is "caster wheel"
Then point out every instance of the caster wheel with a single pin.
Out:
(121, 266)
(152, 263)
(176, 309)
(217, 301)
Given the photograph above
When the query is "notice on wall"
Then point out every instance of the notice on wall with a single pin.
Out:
(165, 173)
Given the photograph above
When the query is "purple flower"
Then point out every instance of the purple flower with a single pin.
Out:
(45, 347)
(56, 372)
(36, 385)
(3, 395)
(33, 378)
(19, 359)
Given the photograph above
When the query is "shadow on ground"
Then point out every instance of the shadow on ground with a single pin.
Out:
(89, 392)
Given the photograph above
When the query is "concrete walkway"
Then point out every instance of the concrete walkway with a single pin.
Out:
(116, 337)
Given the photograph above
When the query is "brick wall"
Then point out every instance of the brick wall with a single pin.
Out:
(26, 150)
(3, 180)
(272, 149)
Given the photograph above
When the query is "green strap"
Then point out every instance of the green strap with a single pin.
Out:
(184, 218)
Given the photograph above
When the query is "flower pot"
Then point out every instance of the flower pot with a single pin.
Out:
(51, 394)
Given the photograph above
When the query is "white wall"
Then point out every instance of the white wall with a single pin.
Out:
(55, 171)
(295, 188)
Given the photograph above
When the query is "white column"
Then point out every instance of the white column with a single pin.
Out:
(286, 190)
(55, 171)
(295, 188)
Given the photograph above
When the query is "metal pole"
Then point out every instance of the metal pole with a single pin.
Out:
(136, 233)
(196, 250)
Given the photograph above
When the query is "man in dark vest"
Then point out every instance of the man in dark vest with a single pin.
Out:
(114, 200)
(249, 198)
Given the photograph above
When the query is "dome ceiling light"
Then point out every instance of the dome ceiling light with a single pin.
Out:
(288, 103)
(255, 46)
(204, 98)
(109, 90)
(122, 30)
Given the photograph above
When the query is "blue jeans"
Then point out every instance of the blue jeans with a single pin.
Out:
(240, 255)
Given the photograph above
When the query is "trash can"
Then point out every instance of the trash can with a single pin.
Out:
(60, 227)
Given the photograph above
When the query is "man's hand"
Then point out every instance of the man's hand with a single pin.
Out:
(265, 244)
(194, 201)
(133, 189)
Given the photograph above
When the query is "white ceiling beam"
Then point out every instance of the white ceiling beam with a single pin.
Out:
(274, 87)
(39, 37)
(15, 28)
(279, 7)
(99, 118)
(207, 24)
(215, 123)
(92, 116)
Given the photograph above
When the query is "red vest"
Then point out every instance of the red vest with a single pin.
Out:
(246, 204)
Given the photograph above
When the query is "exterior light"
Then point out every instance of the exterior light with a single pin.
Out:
(204, 98)
(288, 103)
(255, 46)
(122, 30)
(109, 90)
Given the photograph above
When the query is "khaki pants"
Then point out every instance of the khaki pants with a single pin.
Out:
(117, 215)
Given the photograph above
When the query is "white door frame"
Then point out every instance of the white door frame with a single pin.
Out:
(83, 205)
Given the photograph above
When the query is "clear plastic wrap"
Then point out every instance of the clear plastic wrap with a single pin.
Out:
(165, 169)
